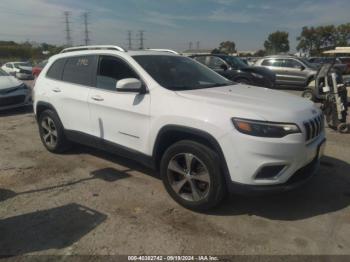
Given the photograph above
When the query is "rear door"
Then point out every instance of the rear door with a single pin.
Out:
(119, 117)
(70, 91)
(275, 65)
(294, 72)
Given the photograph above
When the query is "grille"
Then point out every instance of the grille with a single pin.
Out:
(12, 100)
(314, 127)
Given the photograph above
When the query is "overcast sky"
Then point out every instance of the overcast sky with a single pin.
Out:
(168, 23)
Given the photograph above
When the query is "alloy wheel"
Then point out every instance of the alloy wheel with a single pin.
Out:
(189, 177)
(49, 132)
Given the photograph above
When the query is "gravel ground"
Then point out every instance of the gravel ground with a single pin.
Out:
(91, 202)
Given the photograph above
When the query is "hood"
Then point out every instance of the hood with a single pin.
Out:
(8, 82)
(27, 68)
(243, 101)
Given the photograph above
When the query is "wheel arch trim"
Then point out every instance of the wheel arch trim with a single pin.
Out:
(196, 133)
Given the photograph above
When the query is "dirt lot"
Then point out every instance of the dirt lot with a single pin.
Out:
(90, 202)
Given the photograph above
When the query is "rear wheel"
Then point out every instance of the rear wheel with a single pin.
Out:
(52, 132)
(191, 174)
(343, 128)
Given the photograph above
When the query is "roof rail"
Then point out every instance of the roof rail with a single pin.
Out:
(93, 47)
(164, 50)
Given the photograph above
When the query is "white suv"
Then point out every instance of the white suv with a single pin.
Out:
(204, 134)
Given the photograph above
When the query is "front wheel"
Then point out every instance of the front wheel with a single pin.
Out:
(192, 176)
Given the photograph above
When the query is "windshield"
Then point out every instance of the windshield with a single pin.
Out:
(180, 73)
(307, 63)
(17, 65)
(235, 62)
(3, 73)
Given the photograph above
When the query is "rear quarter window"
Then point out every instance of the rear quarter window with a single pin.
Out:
(80, 70)
(56, 69)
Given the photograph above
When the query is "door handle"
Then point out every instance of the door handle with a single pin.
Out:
(97, 98)
(56, 90)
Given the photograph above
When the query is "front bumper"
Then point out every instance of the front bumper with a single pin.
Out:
(300, 177)
(24, 76)
(15, 99)
(246, 156)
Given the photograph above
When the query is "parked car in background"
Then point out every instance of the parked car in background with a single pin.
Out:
(37, 68)
(338, 64)
(290, 71)
(233, 68)
(21, 70)
(346, 61)
(13, 93)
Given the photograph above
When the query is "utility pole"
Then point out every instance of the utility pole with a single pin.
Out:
(197, 45)
(142, 39)
(69, 41)
(129, 40)
(86, 30)
(190, 45)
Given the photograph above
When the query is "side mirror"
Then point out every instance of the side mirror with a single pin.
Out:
(224, 67)
(129, 85)
(302, 68)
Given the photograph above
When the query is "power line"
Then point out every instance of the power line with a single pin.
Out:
(86, 30)
(69, 41)
(142, 39)
(129, 40)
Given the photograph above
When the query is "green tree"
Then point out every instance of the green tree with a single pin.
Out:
(260, 53)
(343, 35)
(308, 40)
(228, 47)
(315, 40)
(216, 51)
(277, 42)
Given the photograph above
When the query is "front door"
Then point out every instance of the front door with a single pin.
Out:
(118, 117)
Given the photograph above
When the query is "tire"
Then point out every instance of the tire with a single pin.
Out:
(187, 187)
(343, 128)
(52, 132)
(308, 94)
(309, 81)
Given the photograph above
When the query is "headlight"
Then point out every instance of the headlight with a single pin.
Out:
(257, 75)
(263, 128)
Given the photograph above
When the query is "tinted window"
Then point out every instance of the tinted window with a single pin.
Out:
(3, 73)
(80, 70)
(56, 69)
(180, 73)
(235, 62)
(111, 70)
(9, 66)
(18, 65)
(215, 62)
(272, 62)
(290, 63)
(200, 59)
